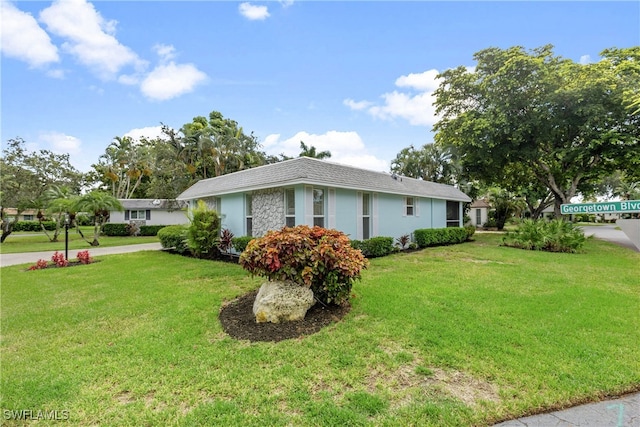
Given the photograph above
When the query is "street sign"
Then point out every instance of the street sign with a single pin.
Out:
(626, 206)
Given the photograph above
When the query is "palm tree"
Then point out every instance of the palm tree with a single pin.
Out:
(99, 204)
(311, 152)
(60, 202)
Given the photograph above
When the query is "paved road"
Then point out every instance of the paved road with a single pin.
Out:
(33, 257)
(608, 232)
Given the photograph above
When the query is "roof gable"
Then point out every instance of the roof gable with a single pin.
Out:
(306, 170)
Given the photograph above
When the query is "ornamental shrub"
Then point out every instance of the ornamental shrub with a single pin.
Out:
(203, 233)
(374, 247)
(319, 258)
(551, 236)
(115, 229)
(150, 230)
(240, 243)
(59, 260)
(174, 237)
(426, 237)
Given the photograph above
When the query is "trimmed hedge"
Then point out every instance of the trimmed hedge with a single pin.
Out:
(113, 229)
(150, 230)
(426, 237)
(34, 226)
(375, 246)
(174, 237)
(240, 243)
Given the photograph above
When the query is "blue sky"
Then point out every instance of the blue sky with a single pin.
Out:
(352, 77)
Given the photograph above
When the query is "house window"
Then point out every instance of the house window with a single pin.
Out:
(318, 207)
(137, 214)
(478, 217)
(409, 204)
(290, 207)
(366, 216)
(453, 214)
(28, 217)
(249, 214)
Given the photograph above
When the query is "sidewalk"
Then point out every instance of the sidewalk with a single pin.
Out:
(622, 412)
(32, 257)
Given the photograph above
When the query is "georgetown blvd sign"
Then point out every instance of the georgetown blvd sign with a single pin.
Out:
(626, 206)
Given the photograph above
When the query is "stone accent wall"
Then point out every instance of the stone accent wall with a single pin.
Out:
(268, 211)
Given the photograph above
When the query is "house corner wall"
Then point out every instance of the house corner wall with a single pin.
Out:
(268, 210)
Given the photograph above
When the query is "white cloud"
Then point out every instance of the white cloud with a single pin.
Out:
(253, 12)
(165, 52)
(23, 39)
(171, 80)
(414, 105)
(361, 105)
(285, 3)
(149, 132)
(426, 81)
(585, 59)
(345, 147)
(89, 37)
(60, 142)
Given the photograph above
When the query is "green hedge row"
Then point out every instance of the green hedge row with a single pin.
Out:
(240, 243)
(113, 229)
(34, 226)
(426, 237)
(174, 237)
(375, 246)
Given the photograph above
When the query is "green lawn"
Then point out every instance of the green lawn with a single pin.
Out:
(39, 242)
(459, 335)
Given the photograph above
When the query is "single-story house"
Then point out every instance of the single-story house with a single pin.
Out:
(150, 212)
(25, 215)
(479, 212)
(307, 191)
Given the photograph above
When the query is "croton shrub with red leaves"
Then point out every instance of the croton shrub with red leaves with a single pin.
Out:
(319, 258)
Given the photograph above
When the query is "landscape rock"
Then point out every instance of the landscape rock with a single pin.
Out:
(278, 302)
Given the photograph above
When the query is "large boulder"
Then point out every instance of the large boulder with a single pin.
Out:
(278, 302)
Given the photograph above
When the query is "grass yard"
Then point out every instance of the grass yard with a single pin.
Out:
(39, 242)
(460, 335)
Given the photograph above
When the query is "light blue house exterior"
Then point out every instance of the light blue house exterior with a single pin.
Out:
(306, 191)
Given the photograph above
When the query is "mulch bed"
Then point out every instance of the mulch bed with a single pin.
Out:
(239, 322)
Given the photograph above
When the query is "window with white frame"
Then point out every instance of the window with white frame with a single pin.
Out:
(478, 216)
(366, 216)
(139, 214)
(290, 207)
(249, 214)
(318, 207)
(409, 206)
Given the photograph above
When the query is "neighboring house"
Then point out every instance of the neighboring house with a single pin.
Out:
(307, 191)
(479, 212)
(150, 212)
(25, 215)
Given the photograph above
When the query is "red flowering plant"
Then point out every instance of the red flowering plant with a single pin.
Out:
(84, 257)
(59, 260)
(319, 258)
(39, 265)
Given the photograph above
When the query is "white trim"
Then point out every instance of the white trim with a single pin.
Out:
(308, 205)
(374, 214)
(359, 229)
(331, 208)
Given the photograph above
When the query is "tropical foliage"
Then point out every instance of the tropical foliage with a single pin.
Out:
(552, 236)
(203, 232)
(318, 258)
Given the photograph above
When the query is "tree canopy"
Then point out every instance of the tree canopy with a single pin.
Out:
(534, 114)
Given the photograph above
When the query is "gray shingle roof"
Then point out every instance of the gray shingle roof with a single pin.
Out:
(152, 204)
(306, 170)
